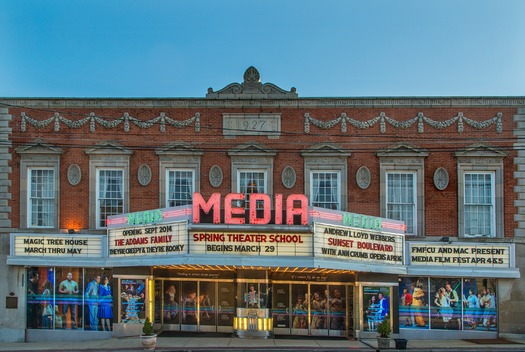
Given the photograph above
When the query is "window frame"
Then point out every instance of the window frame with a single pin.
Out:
(264, 173)
(30, 204)
(107, 156)
(177, 156)
(167, 186)
(414, 196)
(404, 158)
(98, 206)
(327, 157)
(339, 191)
(479, 158)
(492, 203)
(38, 156)
(252, 157)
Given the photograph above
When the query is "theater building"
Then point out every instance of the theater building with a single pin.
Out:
(255, 212)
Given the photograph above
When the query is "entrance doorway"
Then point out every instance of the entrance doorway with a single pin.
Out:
(312, 309)
(195, 305)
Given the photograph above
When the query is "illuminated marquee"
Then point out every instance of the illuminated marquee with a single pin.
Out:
(57, 246)
(258, 244)
(347, 243)
(354, 220)
(462, 255)
(235, 214)
(158, 240)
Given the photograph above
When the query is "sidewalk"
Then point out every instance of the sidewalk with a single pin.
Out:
(202, 344)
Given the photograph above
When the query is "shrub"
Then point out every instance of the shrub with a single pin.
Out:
(147, 329)
(384, 328)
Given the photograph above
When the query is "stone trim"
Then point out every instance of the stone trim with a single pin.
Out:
(5, 169)
(519, 175)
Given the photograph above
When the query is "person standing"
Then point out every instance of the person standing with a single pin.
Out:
(105, 310)
(383, 307)
(406, 303)
(454, 302)
(489, 304)
(92, 302)
(371, 313)
(34, 310)
(472, 309)
(69, 288)
(171, 307)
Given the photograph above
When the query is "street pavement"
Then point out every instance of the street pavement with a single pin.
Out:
(215, 344)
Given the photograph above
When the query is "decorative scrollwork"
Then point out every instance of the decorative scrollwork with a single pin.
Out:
(93, 120)
(421, 119)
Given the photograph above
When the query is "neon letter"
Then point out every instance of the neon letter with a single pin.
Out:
(302, 210)
(199, 203)
(230, 210)
(267, 215)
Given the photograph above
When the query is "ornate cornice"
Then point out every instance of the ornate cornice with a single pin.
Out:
(54, 104)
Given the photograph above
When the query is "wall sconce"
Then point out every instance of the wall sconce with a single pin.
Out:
(71, 231)
(445, 239)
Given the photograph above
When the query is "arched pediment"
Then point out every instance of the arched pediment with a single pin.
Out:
(251, 88)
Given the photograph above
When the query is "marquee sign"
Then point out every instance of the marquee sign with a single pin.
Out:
(350, 243)
(461, 255)
(360, 221)
(158, 240)
(253, 244)
(57, 246)
(155, 216)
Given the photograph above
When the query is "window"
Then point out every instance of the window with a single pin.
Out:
(179, 173)
(326, 175)
(402, 186)
(252, 171)
(325, 190)
(401, 198)
(110, 196)
(180, 187)
(480, 191)
(41, 197)
(251, 181)
(108, 182)
(479, 204)
(39, 185)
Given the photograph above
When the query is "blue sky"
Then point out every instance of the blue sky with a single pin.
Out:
(323, 48)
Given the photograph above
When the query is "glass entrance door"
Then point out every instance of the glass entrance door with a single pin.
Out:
(300, 308)
(312, 309)
(225, 306)
(207, 306)
(281, 309)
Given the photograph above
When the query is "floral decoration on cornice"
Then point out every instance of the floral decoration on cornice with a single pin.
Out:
(421, 119)
(162, 120)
